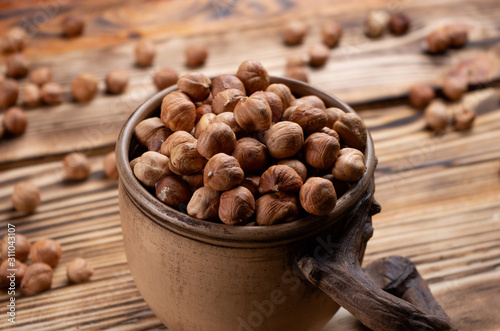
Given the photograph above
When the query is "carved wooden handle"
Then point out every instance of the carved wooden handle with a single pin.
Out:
(396, 299)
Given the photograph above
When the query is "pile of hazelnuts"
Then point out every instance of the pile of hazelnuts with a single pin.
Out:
(241, 150)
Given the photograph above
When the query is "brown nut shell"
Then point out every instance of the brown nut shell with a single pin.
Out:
(253, 114)
(15, 121)
(25, 197)
(331, 32)
(204, 204)
(109, 165)
(294, 32)
(463, 118)
(173, 191)
(280, 178)
(9, 91)
(51, 94)
(202, 110)
(310, 118)
(321, 150)
(216, 138)
(376, 23)
(310, 100)
(6, 271)
(47, 251)
(253, 75)
(236, 206)
(76, 166)
(84, 87)
(252, 184)
(185, 159)
(317, 196)
(333, 114)
(274, 102)
(284, 93)
(37, 278)
(420, 95)
(40, 76)
(145, 52)
(195, 84)
(178, 114)
(78, 271)
(251, 155)
(176, 138)
(275, 208)
(399, 24)
(225, 82)
(318, 55)
(352, 130)
(17, 66)
(350, 165)
(228, 118)
(296, 165)
(72, 26)
(284, 139)
(18, 244)
(150, 132)
(194, 181)
(437, 116)
(455, 86)
(222, 172)
(203, 123)
(438, 41)
(116, 81)
(458, 34)
(151, 167)
(31, 95)
(330, 132)
(226, 100)
(165, 77)
(297, 73)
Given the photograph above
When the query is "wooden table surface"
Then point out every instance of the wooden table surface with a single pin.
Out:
(440, 194)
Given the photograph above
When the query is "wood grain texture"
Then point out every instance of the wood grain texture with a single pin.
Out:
(439, 193)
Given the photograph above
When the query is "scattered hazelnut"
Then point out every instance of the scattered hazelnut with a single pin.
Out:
(109, 165)
(421, 95)
(72, 26)
(222, 172)
(9, 91)
(21, 244)
(296, 165)
(173, 191)
(178, 114)
(6, 266)
(15, 121)
(165, 77)
(116, 81)
(297, 73)
(194, 181)
(332, 115)
(458, 35)
(399, 24)
(317, 196)
(438, 41)
(253, 114)
(145, 53)
(196, 55)
(463, 118)
(331, 33)
(454, 86)
(284, 93)
(15, 40)
(225, 82)
(226, 100)
(216, 138)
(77, 166)
(40, 76)
(330, 132)
(284, 139)
(436, 116)
(17, 65)
(151, 133)
(78, 271)
(236, 206)
(204, 204)
(350, 165)
(176, 138)
(203, 123)
(295, 60)
(26, 197)
(185, 159)
(202, 110)
(251, 155)
(280, 178)
(151, 167)
(321, 150)
(276, 208)
(318, 55)
(47, 251)
(310, 100)
(37, 278)
(253, 75)
(31, 95)
(196, 85)
(376, 23)
(252, 184)
(84, 87)
(274, 102)
(294, 32)
(51, 94)
(352, 130)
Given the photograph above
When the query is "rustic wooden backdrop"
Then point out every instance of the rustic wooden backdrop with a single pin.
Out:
(440, 193)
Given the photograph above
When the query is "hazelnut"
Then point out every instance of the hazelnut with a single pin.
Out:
(352, 130)
(116, 81)
(350, 165)
(284, 139)
(295, 60)
(151, 167)
(145, 53)
(236, 206)
(5, 272)
(436, 116)
(310, 100)
(196, 55)
(226, 100)
(321, 150)
(204, 204)
(276, 208)
(202, 110)
(216, 138)
(454, 86)
(297, 73)
(173, 191)
(15, 121)
(109, 165)
(176, 138)
(253, 75)
(40, 76)
(284, 93)
(421, 95)
(252, 184)
(15, 40)
(296, 165)
(185, 159)
(78, 271)
(251, 155)
(151, 132)
(253, 114)
(194, 181)
(196, 85)
(47, 251)
(399, 23)
(332, 115)
(376, 23)
(84, 87)
(463, 118)
(317, 196)
(203, 123)
(178, 114)
(222, 172)
(9, 91)
(330, 132)
(331, 32)
(458, 35)
(17, 65)
(26, 197)
(294, 32)
(225, 82)
(174, 95)
(31, 95)
(51, 94)
(72, 26)
(207, 101)
(134, 162)
(438, 41)
(76, 166)
(318, 55)
(310, 118)
(20, 243)
(280, 178)
(165, 77)
(37, 278)
(274, 102)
